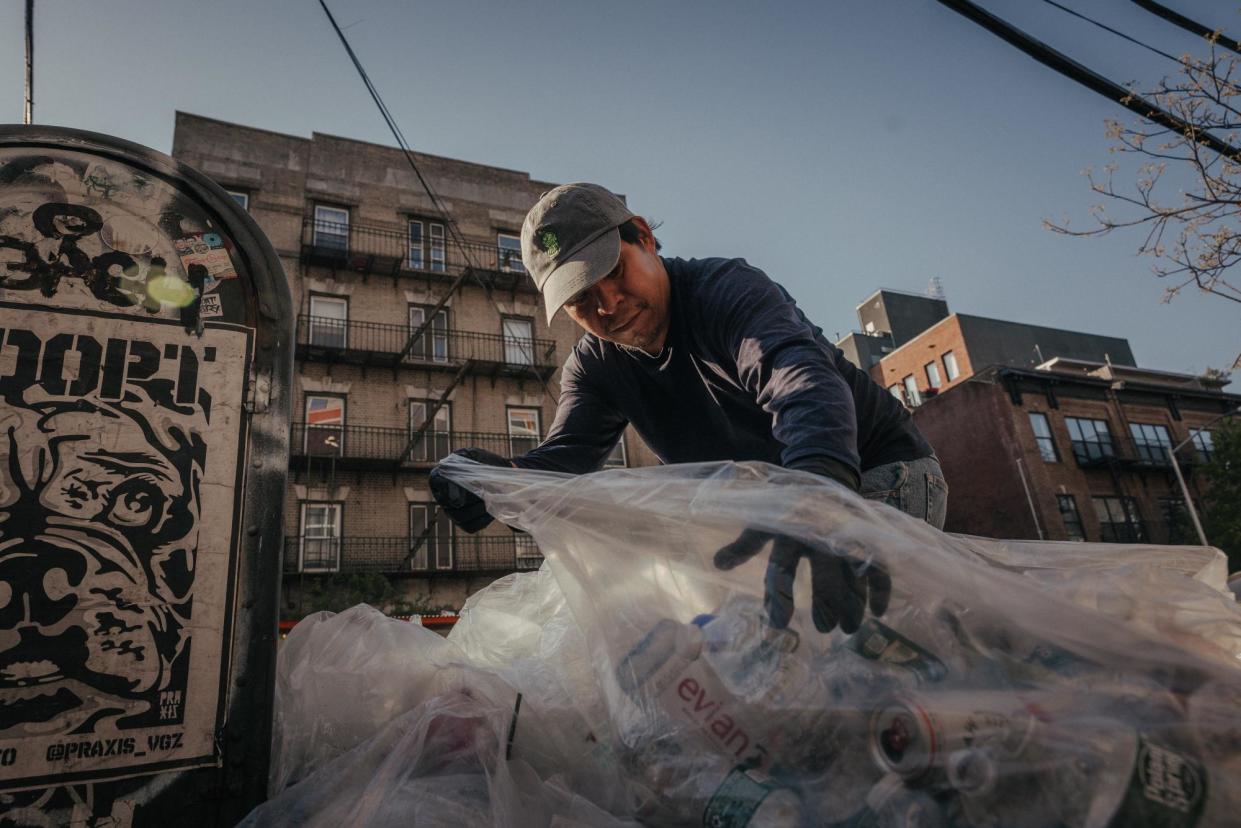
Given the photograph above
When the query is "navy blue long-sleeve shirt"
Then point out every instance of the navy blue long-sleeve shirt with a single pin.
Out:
(743, 375)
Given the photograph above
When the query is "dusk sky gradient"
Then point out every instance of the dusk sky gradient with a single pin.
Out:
(841, 146)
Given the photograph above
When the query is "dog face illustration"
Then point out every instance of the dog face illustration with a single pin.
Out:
(99, 509)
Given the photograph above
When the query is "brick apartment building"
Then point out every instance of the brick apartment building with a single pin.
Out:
(368, 256)
(915, 348)
(1073, 450)
(1043, 433)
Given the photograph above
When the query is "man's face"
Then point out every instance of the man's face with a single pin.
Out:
(629, 306)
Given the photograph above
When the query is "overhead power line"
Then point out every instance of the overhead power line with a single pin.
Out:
(449, 223)
(1087, 77)
(1107, 28)
(1188, 25)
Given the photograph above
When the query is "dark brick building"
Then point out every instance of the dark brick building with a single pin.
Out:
(1072, 450)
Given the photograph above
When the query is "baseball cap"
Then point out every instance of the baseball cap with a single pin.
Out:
(569, 240)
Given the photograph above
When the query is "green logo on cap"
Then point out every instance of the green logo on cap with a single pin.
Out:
(550, 243)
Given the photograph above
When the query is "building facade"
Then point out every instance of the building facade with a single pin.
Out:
(418, 332)
(1073, 450)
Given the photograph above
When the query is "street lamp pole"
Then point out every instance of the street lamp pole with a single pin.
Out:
(1180, 479)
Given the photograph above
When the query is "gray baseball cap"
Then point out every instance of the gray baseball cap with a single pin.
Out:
(569, 240)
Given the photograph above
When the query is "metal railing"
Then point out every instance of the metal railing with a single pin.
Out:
(433, 347)
(356, 442)
(385, 250)
(436, 556)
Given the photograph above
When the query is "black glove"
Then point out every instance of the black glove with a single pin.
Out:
(841, 585)
(462, 506)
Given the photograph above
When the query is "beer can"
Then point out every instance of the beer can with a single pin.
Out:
(913, 735)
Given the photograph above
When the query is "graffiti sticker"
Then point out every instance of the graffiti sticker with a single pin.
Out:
(118, 437)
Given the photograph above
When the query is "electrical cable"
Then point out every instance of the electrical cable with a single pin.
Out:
(1107, 28)
(438, 205)
(1215, 36)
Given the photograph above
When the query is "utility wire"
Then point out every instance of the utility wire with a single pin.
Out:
(1107, 28)
(1188, 25)
(1092, 80)
(457, 238)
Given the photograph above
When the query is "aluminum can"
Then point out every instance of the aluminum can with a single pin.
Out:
(913, 735)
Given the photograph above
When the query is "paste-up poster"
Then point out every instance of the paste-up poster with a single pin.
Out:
(122, 432)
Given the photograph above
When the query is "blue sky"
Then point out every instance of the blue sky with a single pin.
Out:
(841, 146)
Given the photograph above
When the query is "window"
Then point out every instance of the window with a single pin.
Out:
(518, 340)
(529, 556)
(241, 198)
(1203, 445)
(320, 538)
(435, 443)
(329, 321)
(433, 344)
(911, 391)
(325, 425)
(1072, 520)
(436, 546)
(896, 391)
(1176, 519)
(436, 243)
(508, 248)
(617, 459)
(331, 228)
(426, 244)
(932, 375)
(1092, 440)
(950, 366)
(1119, 520)
(523, 430)
(1152, 442)
(1042, 436)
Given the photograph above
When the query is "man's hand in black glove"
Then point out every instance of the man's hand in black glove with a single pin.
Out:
(841, 586)
(462, 506)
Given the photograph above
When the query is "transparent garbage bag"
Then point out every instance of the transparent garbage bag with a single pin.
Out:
(1008, 684)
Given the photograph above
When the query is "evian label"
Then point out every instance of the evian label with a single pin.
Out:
(697, 696)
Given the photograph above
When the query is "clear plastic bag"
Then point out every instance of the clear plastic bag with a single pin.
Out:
(1008, 684)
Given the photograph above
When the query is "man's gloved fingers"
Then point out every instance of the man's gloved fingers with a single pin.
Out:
(880, 583)
(778, 589)
(489, 458)
(746, 546)
(471, 519)
(839, 595)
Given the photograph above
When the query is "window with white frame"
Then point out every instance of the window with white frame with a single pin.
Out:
(617, 459)
(932, 374)
(432, 546)
(331, 228)
(1152, 441)
(435, 443)
(950, 366)
(1042, 436)
(320, 539)
(241, 198)
(508, 251)
(325, 425)
(518, 340)
(425, 244)
(432, 345)
(897, 391)
(523, 430)
(911, 391)
(435, 243)
(329, 321)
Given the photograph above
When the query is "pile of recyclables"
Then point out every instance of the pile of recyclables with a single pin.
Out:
(629, 682)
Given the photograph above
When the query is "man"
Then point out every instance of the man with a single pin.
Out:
(710, 360)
